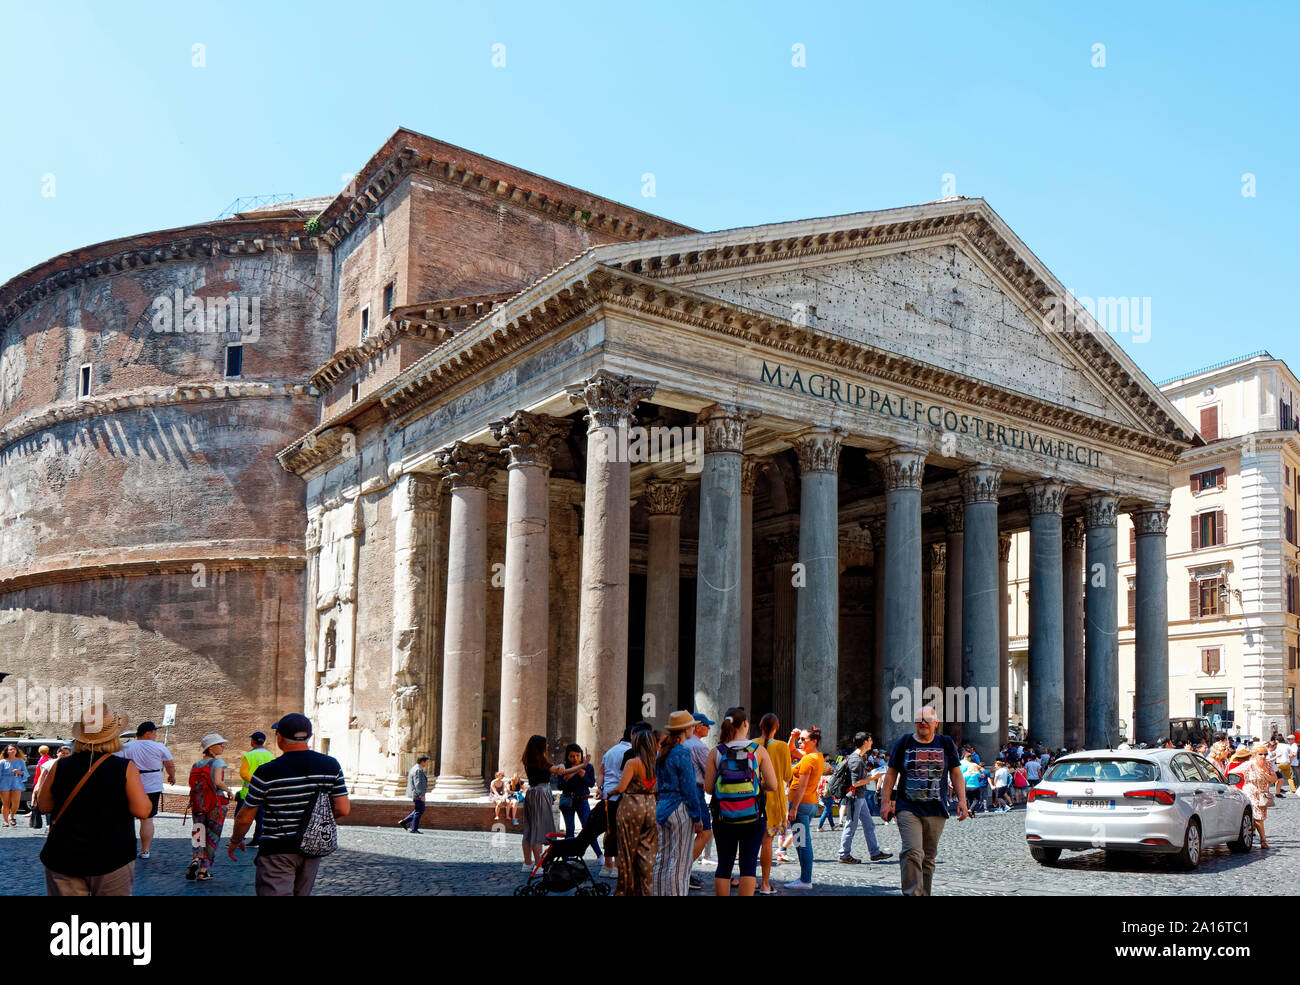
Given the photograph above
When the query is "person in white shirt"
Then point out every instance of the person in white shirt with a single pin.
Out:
(611, 769)
(152, 759)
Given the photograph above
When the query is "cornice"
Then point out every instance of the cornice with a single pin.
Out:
(247, 238)
(344, 214)
(62, 571)
(1237, 446)
(181, 393)
(429, 323)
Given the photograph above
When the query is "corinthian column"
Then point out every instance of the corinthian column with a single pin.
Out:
(901, 646)
(817, 619)
(981, 626)
(528, 441)
(469, 470)
(718, 578)
(664, 499)
(1151, 643)
(415, 516)
(603, 606)
(876, 713)
(1046, 614)
(1101, 616)
(749, 470)
(953, 516)
(1072, 607)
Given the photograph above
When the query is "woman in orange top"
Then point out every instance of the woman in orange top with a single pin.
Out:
(803, 802)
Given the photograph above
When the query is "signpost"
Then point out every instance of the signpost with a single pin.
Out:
(169, 719)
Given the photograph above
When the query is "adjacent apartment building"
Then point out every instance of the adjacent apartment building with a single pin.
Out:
(1234, 563)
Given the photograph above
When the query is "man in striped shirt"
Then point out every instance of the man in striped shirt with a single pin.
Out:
(284, 789)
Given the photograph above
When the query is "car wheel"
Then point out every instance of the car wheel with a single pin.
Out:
(1246, 837)
(1045, 856)
(1190, 857)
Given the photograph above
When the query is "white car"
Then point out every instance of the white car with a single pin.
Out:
(1159, 800)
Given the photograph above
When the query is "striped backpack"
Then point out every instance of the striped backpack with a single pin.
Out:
(736, 790)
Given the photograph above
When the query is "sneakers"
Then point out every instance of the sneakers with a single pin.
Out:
(526, 868)
(608, 873)
(696, 883)
(409, 831)
(142, 855)
(405, 823)
(850, 860)
(880, 856)
(798, 884)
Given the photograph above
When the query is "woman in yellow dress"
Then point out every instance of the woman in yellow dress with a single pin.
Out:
(778, 808)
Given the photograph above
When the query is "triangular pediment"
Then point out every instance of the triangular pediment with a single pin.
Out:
(946, 284)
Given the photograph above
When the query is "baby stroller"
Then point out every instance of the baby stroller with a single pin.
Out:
(562, 869)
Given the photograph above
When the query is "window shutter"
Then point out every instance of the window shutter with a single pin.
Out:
(1196, 482)
(1196, 534)
(1210, 423)
(1132, 606)
(1223, 597)
(1219, 527)
(1194, 600)
(1132, 543)
(1218, 477)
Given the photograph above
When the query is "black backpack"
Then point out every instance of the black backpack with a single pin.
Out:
(841, 779)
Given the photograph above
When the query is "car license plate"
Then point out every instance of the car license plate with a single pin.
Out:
(1092, 804)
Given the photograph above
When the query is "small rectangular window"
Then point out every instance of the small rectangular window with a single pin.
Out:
(388, 297)
(83, 384)
(356, 391)
(1210, 423)
(234, 360)
(365, 322)
(1211, 660)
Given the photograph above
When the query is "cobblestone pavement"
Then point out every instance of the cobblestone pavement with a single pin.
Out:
(983, 856)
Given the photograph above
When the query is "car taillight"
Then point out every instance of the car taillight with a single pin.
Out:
(1165, 797)
(1037, 793)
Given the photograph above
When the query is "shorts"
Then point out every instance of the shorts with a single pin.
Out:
(155, 799)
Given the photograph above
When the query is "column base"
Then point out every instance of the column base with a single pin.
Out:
(458, 788)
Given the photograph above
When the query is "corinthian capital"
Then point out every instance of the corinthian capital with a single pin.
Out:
(724, 427)
(1046, 497)
(1072, 534)
(610, 399)
(468, 466)
(1004, 548)
(938, 555)
(818, 450)
(665, 496)
(952, 515)
(903, 467)
(1149, 520)
(1099, 510)
(980, 483)
(530, 439)
(750, 467)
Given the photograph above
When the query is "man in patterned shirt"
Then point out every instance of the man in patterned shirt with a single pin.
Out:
(285, 789)
(923, 768)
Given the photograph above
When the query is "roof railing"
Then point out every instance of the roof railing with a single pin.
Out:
(1207, 369)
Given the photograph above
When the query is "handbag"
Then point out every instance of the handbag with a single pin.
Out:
(319, 835)
(34, 819)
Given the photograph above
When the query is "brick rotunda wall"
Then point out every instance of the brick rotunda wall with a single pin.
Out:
(150, 543)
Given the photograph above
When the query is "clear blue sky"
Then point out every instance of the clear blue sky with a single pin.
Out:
(1126, 180)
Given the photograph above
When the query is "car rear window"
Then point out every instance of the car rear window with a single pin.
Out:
(1093, 770)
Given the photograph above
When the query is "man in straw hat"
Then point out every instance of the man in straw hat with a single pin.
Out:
(93, 796)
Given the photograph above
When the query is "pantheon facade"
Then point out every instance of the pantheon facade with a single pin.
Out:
(531, 461)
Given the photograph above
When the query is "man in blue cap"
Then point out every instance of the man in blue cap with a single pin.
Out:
(286, 788)
(700, 756)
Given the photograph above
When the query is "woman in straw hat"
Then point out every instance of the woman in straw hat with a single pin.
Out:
(94, 797)
(207, 785)
(678, 809)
